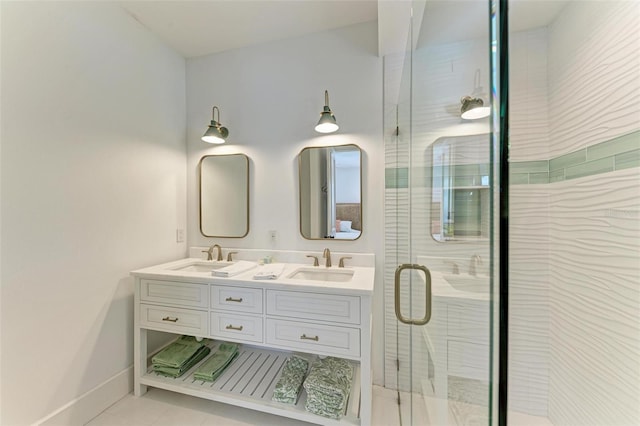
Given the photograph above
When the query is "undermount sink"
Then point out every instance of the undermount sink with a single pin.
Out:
(202, 266)
(465, 282)
(321, 274)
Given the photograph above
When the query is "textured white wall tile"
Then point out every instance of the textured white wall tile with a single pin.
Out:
(594, 246)
(595, 300)
(594, 70)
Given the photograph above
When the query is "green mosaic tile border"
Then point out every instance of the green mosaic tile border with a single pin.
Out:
(465, 175)
(616, 154)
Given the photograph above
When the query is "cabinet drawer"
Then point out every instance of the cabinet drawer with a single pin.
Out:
(239, 299)
(174, 293)
(176, 320)
(236, 326)
(323, 307)
(323, 339)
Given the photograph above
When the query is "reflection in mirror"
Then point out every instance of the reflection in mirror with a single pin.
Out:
(330, 192)
(224, 195)
(460, 188)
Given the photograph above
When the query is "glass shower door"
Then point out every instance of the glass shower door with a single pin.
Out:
(439, 190)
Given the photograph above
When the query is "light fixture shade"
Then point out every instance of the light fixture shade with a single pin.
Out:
(327, 122)
(473, 108)
(215, 133)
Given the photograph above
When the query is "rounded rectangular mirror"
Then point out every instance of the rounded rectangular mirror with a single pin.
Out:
(224, 195)
(330, 192)
(460, 188)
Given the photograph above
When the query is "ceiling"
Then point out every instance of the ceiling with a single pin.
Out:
(198, 28)
(448, 21)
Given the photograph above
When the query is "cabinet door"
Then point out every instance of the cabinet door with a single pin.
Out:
(316, 338)
(174, 293)
(237, 327)
(315, 306)
(239, 299)
(175, 320)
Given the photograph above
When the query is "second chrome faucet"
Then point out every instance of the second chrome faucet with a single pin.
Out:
(326, 254)
(210, 252)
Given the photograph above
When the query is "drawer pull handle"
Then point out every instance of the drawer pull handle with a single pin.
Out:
(305, 337)
(231, 327)
(170, 319)
(231, 299)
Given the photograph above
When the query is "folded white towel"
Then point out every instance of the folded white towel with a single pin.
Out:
(235, 269)
(269, 272)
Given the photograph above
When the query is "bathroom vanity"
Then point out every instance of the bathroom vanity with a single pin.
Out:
(313, 310)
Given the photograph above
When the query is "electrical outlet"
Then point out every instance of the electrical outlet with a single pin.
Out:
(180, 235)
(273, 235)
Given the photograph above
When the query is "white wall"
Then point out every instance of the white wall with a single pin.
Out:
(594, 246)
(270, 97)
(93, 186)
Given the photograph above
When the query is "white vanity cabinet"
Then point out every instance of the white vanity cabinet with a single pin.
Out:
(270, 319)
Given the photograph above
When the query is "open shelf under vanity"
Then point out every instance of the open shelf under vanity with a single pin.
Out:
(249, 382)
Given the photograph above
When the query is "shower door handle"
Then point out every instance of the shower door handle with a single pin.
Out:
(427, 280)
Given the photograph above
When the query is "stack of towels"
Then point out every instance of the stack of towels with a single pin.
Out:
(179, 356)
(328, 385)
(289, 384)
(212, 368)
(269, 272)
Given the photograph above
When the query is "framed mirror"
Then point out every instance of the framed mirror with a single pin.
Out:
(330, 192)
(224, 195)
(460, 197)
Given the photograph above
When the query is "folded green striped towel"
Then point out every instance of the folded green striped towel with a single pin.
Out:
(213, 367)
(178, 353)
(289, 384)
(174, 372)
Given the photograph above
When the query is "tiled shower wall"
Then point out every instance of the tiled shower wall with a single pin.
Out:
(594, 220)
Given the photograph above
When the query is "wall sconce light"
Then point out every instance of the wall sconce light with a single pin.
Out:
(473, 106)
(327, 122)
(215, 133)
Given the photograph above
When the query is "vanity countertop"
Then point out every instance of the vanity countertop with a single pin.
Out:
(361, 283)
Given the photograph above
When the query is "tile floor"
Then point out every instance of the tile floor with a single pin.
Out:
(163, 408)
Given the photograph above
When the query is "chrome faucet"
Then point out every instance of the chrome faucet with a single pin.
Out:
(473, 265)
(210, 252)
(327, 255)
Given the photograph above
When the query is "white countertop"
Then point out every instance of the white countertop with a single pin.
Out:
(360, 284)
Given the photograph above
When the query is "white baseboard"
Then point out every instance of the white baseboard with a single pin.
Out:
(84, 408)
